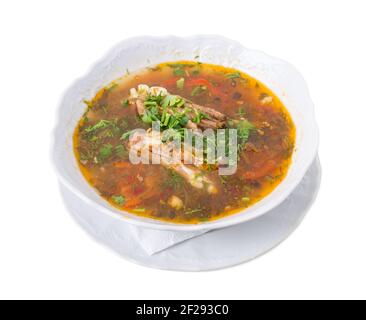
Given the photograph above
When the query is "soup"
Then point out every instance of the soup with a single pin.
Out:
(184, 96)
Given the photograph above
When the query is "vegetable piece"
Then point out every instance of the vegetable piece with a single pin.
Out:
(121, 151)
(132, 202)
(119, 200)
(121, 164)
(175, 202)
(193, 211)
(112, 87)
(203, 82)
(244, 128)
(89, 104)
(241, 112)
(105, 152)
(180, 83)
(174, 180)
(234, 75)
(199, 82)
(198, 90)
(125, 103)
(178, 71)
(126, 135)
(100, 125)
(146, 117)
(171, 81)
(265, 99)
(199, 116)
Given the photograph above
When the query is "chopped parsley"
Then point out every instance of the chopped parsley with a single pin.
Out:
(178, 72)
(235, 75)
(241, 112)
(244, 128)
(121, 151)
(119, 200)
(169, 111)
(126, 135)
(105, 152)
(178, 68)
(139, 210)
(199, 115)
(125, 103)
(193, 211)
(174, 181)
(198, 90)
(100, 125)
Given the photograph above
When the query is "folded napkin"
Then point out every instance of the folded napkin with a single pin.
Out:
(155, 241)
(119, 234)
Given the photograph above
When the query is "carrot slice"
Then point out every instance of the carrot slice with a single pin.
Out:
(199, 82)
(170, 82)
(121, 164)
(132, 202)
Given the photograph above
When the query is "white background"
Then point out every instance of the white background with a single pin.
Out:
(45, 45)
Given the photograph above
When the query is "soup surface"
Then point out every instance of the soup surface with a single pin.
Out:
(191, 95)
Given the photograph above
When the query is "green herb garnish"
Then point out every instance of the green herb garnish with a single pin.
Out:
(178, 68)
(204, 219)
(174, 181)
(121, 151)
(119, 200)
(89, 104)
(139, 210)
(178, 72)
(100, 125)
(199, 115)
(86, 155)
(126, 135)
(193, 211)
(198, 90)
(167, 110)
(172, 101)
(125, 103)
(244, 128)
(234, 75)
(105, 152)
(241, 112)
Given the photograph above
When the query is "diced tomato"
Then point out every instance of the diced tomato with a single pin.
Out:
(203, 82)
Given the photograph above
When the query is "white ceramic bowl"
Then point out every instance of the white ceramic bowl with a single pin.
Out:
(137, 53)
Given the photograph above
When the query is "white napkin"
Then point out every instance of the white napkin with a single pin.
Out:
(155, 241)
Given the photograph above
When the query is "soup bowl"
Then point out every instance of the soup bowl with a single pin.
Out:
(137, 53)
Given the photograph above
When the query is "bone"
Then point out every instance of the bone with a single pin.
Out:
(152, 142)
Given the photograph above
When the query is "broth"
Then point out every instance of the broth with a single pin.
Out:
(156, 191)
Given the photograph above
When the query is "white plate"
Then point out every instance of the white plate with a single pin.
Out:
(213, 250)
(137, 53)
